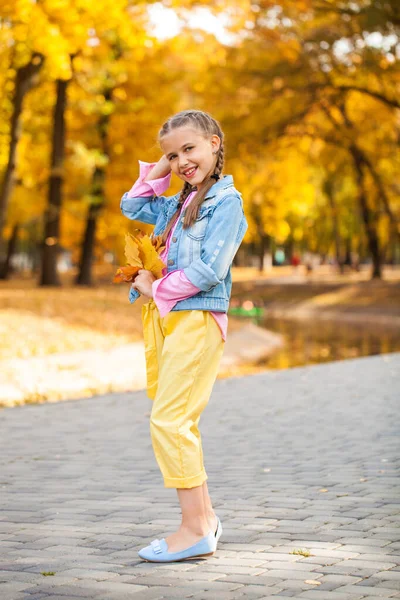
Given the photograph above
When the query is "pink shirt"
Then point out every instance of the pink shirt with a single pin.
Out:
(174, 286)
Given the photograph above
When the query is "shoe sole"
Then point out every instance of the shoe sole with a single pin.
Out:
(179, 559)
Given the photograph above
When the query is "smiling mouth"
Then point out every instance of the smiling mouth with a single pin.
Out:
(190, 172)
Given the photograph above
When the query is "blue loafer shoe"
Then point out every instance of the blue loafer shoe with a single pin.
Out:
(158, 550)
(218, 531)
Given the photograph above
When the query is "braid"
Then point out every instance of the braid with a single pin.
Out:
(220, 160)
(186, 190)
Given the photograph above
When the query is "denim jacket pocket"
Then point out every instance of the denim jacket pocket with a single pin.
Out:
(197, 230)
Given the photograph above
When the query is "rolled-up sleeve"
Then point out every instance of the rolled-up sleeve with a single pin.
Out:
(170, 289)
(150, 187)
(144, 201)
(224, 234)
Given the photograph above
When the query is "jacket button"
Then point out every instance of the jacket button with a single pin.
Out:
(174, 239)
(170, 261)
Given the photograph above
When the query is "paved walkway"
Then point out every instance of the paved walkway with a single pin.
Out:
(303, 459)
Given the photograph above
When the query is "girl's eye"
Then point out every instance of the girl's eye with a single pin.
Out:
(172, 157)
(189, 148)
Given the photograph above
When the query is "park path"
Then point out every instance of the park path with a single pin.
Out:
(304, 459)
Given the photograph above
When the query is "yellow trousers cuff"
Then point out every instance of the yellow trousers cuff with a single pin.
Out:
(189, 482)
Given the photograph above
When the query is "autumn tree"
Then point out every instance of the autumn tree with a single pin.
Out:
(25, 79)
(318, 70)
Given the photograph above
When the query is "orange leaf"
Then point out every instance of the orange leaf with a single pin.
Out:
(127, 273)
(157, 241)
(141, 252)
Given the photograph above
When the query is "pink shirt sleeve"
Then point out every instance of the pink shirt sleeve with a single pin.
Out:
(171, 288)
(148, 188)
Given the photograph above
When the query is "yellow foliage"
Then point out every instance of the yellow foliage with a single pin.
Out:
(151, 261)
(132, 252)
(282, 231)
(279, 152)
(140, 253)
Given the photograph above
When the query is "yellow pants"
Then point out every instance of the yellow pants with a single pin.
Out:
(183, 353)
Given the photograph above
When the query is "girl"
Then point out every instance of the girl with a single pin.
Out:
(185, 318)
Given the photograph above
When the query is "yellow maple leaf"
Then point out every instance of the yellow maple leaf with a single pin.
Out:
(150, 258)
(132, 251)
(141, 252)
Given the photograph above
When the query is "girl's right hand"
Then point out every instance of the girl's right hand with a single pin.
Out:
(160, 169)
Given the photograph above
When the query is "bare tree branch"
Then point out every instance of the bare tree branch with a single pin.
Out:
(393, 103)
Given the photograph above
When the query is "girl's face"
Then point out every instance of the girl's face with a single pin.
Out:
(192, 156)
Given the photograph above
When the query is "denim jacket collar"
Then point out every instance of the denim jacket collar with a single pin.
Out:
(222, 184)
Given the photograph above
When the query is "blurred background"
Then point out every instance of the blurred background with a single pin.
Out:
(308, 96)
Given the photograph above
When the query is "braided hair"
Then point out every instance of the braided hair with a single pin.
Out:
(208, 126)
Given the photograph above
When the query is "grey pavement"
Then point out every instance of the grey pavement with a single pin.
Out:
(303, 471)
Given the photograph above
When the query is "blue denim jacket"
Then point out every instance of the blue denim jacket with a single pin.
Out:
(205, 250)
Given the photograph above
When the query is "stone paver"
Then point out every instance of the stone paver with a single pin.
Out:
(306, 459)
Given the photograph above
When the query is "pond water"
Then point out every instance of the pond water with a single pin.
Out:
(311, 342)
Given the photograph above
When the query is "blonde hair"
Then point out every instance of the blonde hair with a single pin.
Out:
(208, 126)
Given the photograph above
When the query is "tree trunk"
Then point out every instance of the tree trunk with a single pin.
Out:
(84, 276)
(394, 224)
(261, 253)
(25, 80)
(5, 270)
(372, 235)
(330, 195)
(50, 246)
(347, 257)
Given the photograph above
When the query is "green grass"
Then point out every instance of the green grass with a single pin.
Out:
(305, 553)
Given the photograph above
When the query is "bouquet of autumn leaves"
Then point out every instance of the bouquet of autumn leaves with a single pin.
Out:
(141, 252)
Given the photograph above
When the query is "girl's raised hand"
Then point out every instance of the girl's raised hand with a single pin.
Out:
(160, 169)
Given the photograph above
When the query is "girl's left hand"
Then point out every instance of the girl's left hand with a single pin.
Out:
(143, 282)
